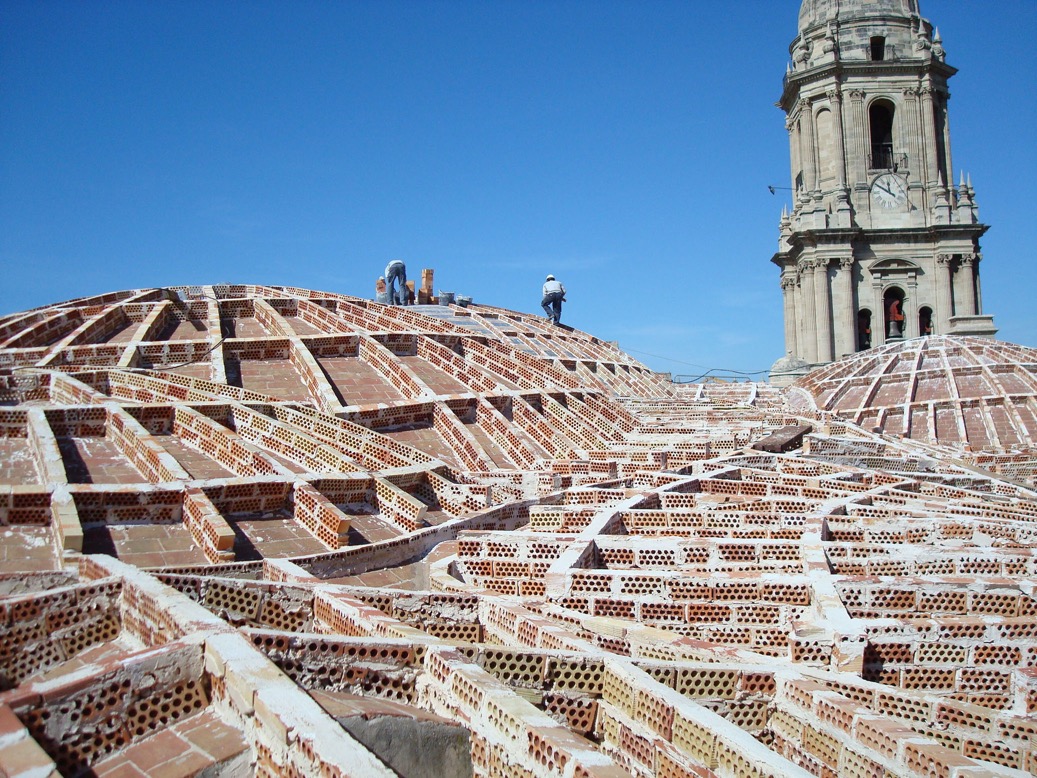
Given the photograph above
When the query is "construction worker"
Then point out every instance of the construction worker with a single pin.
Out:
(554, 296)
(395, 272)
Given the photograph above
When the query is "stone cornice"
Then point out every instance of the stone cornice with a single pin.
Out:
(787, 259)
(838, 71)
(919, 235)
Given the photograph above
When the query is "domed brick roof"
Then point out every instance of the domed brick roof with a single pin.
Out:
(249, 530)
(945, 390)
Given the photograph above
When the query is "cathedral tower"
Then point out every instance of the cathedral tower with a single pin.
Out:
(881, 243)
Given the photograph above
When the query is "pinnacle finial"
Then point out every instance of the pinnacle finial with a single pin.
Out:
(936, 35)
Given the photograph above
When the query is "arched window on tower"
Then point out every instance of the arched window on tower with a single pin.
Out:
(863, 329)
(925, 320)
(893, 303)
(880, 119)
(878, 48)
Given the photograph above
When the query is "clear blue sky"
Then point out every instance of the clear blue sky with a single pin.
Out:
(625, 147)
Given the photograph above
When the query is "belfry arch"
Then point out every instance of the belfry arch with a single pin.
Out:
(864, 341)
(880, 126)
(925, 321)
(893, 310)
(894, 280)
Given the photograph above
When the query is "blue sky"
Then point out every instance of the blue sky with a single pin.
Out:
(625, 147)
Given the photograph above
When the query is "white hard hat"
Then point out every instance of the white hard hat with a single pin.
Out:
(550, 277)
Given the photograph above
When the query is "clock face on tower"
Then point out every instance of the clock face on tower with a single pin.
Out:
(889, 190)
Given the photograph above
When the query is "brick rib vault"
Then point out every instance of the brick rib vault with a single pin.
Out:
(257, 530)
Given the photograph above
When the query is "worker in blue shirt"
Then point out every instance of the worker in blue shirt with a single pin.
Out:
(554, 296)
(396, 271)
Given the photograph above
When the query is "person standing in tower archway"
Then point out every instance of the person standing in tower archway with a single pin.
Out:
(554, 296)
(395, 272)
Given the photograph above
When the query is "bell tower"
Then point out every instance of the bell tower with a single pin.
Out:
(880, 243)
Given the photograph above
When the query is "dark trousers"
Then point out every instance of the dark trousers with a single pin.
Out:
(552, 305)
(397, 273)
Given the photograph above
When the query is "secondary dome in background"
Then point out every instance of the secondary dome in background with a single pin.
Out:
(941, 390)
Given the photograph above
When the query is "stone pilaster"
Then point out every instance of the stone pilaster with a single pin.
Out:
(979, 290)
(912, 131)
(878, 315)
(858, 138)
(945, 298)
(846, 336)
(807, 318)
(928, 168)
(909, 308)
(965, 283)
(788, 293)
(794, 151)
(835, 97)
(822, 310)
(941, 106)
(808, 144)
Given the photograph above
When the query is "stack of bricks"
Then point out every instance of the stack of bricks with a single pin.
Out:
(425, 295)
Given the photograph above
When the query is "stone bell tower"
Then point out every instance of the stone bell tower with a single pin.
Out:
(880, 243)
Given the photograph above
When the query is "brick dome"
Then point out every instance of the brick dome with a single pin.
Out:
(944, 390)
(257, 530)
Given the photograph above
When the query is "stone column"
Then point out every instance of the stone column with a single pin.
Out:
(808, 145)
(909, 328)
(928, 137)
(944, 296)
(794, 155)
(835, 97)
(878, 315)
(979, 290)
(966, 285)
(807, 319)
(915, 159)
(788, 292)
(858, 136)
(823, 310)
(942, 107)
(846, 335)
